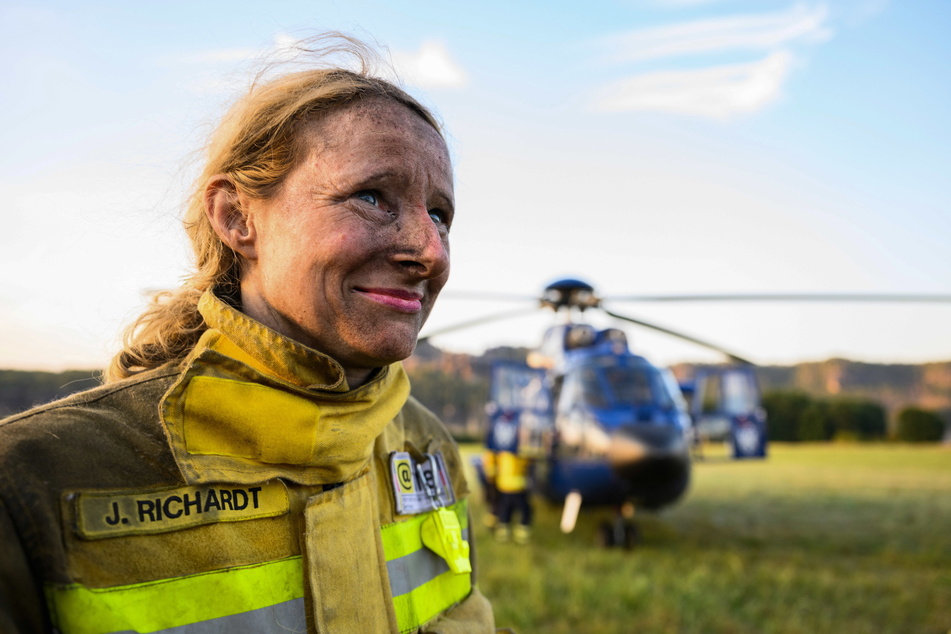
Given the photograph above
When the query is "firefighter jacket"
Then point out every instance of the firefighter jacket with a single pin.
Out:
(245, 489)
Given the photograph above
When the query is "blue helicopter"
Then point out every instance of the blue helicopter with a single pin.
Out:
(610, 428)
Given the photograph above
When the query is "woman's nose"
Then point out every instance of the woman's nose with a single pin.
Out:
(424, 244)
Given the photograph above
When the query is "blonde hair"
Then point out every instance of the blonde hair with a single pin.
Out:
(257, 144)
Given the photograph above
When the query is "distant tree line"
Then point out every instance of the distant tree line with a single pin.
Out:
(459, 402)
(21, 390)
(919, 425)
(795, 416)
(456, 386)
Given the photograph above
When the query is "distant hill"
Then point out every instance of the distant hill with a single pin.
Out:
(894, 386)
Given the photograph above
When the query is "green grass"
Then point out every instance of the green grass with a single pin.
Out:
(817, 538)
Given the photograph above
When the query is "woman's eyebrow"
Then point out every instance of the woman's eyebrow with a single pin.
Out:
(389, 174)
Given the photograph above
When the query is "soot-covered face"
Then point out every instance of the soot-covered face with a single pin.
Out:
(350, 254)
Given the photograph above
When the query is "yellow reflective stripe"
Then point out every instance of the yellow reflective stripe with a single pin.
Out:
(430, 599)
(167, 603)
(420, 580)
(405, 537)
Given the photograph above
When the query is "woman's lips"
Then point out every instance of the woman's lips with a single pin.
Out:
(395, 298)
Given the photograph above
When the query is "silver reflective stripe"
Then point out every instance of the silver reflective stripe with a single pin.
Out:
(413, 570)
(282, 618)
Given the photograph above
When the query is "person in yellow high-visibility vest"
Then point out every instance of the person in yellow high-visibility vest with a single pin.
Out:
(512, 482)
(489, 488)
(255, 462)
(512, 467)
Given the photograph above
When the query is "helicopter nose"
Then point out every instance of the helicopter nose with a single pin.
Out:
(652, 461)
(626, 449)
(633, 444)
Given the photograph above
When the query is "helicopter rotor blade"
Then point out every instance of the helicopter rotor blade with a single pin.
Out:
(488, 296)
(786, 297)
(680, 335)
(509, 314)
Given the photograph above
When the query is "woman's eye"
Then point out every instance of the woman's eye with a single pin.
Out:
(369, 197)
(439, 216)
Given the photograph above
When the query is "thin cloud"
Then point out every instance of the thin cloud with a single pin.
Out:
(742, 32)
(864, 10)
(226, 71)
(683, 3)
(719, 92)
(716, 91)
(220, 56)
(430, 67)
(283, 46)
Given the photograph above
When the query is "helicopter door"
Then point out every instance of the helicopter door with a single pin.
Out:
(726, 406)
(520, 398)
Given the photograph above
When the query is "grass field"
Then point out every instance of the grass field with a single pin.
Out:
(817, 538)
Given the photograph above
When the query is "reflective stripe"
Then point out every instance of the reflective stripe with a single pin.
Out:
(205, 602)
(286, 618)
(413, 570)
(420, 580)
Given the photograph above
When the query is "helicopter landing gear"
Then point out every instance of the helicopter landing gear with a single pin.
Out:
(622, 531)
(618, 533)
(569, 515)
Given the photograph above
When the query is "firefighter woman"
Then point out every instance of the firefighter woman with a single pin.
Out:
(254, 462)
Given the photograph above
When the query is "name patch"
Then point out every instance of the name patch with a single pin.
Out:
(104, 514)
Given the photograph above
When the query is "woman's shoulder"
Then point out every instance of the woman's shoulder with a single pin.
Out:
(421, 422)
(424, 430)
(107, 438)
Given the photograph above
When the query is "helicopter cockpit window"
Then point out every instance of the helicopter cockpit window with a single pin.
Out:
(518, 388)
(614, 335)
(570, 394)
(711, 396)
(729, 393)
(738, 393)
(673, 389)
(630, 385)
(607, 383)
(579, 336)
(591, 388)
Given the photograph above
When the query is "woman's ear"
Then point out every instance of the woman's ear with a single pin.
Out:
(229, 217)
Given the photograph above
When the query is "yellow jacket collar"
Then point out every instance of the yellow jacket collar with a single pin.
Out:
(268, 351)
(252, 405)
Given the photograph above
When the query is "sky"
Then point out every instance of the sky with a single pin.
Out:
(647, 147)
